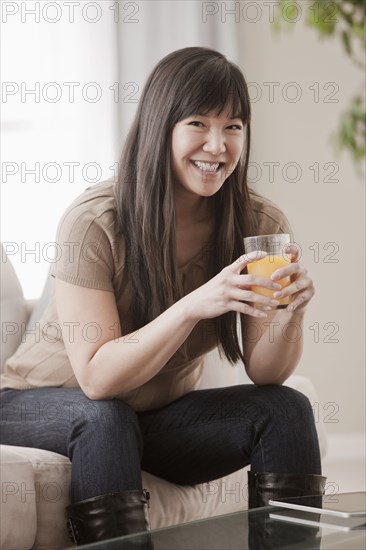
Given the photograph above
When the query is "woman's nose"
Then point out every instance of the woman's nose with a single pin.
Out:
(215, 143)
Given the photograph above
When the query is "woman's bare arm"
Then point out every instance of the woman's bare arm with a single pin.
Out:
(272, 347)
(106, 361)
(274, 352)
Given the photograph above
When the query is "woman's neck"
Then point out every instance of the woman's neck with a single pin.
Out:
(192, 210)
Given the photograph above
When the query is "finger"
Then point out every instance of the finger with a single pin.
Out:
(246, 309)
(301, 299)
(297, 286)
(291, 251)
(288, 270)
(238, 265)
(254, 280)
(250, 296)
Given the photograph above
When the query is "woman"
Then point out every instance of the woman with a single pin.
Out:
(151, 278)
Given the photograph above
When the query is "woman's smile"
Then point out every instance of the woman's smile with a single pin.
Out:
(211, 168)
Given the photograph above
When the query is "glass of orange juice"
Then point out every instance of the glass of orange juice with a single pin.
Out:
(276, 257)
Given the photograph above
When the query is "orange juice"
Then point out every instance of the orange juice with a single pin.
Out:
(264, 268)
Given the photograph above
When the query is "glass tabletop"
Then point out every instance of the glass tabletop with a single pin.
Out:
(257, 529)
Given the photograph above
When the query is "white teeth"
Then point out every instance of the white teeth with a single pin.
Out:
(207, 166)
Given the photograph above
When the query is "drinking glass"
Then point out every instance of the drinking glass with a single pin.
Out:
(275, 246)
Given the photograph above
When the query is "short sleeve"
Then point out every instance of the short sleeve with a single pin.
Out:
(84, 244)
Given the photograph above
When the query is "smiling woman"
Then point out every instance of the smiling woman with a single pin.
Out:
(165, 270)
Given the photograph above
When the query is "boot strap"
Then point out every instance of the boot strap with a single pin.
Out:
(72, 531)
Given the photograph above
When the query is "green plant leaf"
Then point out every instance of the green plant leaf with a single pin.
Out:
(346, 42)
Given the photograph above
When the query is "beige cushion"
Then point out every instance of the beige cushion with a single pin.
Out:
(18, 500)
(218, 373)
(13, 310)
(171, 504)
(43, 478)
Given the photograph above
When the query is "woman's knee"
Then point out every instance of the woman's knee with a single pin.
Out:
(298, 406)
(100, 424)
(105, 413)
(286, 404)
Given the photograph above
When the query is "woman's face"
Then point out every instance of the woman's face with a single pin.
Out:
(205, 151)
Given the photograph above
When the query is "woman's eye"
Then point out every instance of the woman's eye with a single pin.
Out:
(235, 127)
(199, 124)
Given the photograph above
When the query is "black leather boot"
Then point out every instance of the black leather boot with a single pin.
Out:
(267, 533)
(110, 516)
(263, 486)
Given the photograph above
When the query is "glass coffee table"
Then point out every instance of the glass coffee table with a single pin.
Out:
(248, 530)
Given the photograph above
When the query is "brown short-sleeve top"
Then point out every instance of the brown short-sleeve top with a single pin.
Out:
(91, 255)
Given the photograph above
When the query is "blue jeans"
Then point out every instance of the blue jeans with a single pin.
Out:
(201, 436)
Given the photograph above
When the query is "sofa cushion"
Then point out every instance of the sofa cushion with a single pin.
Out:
(172, 504)
(218, 373)
(52, 478)
(13, 309)
(18, 500)
(44, 493)
(41, 304)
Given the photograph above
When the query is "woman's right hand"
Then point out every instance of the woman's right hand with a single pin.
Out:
(229, 290)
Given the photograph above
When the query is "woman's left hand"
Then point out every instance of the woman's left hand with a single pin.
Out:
(301, 289)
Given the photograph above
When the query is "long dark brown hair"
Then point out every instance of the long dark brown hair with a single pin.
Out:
(186, 82)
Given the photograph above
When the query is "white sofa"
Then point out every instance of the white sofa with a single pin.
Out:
(35, 482)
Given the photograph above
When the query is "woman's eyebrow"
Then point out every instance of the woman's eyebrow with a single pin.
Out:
(238, 116)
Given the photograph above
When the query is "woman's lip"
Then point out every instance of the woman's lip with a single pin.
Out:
(208, 161)
(208, 172)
